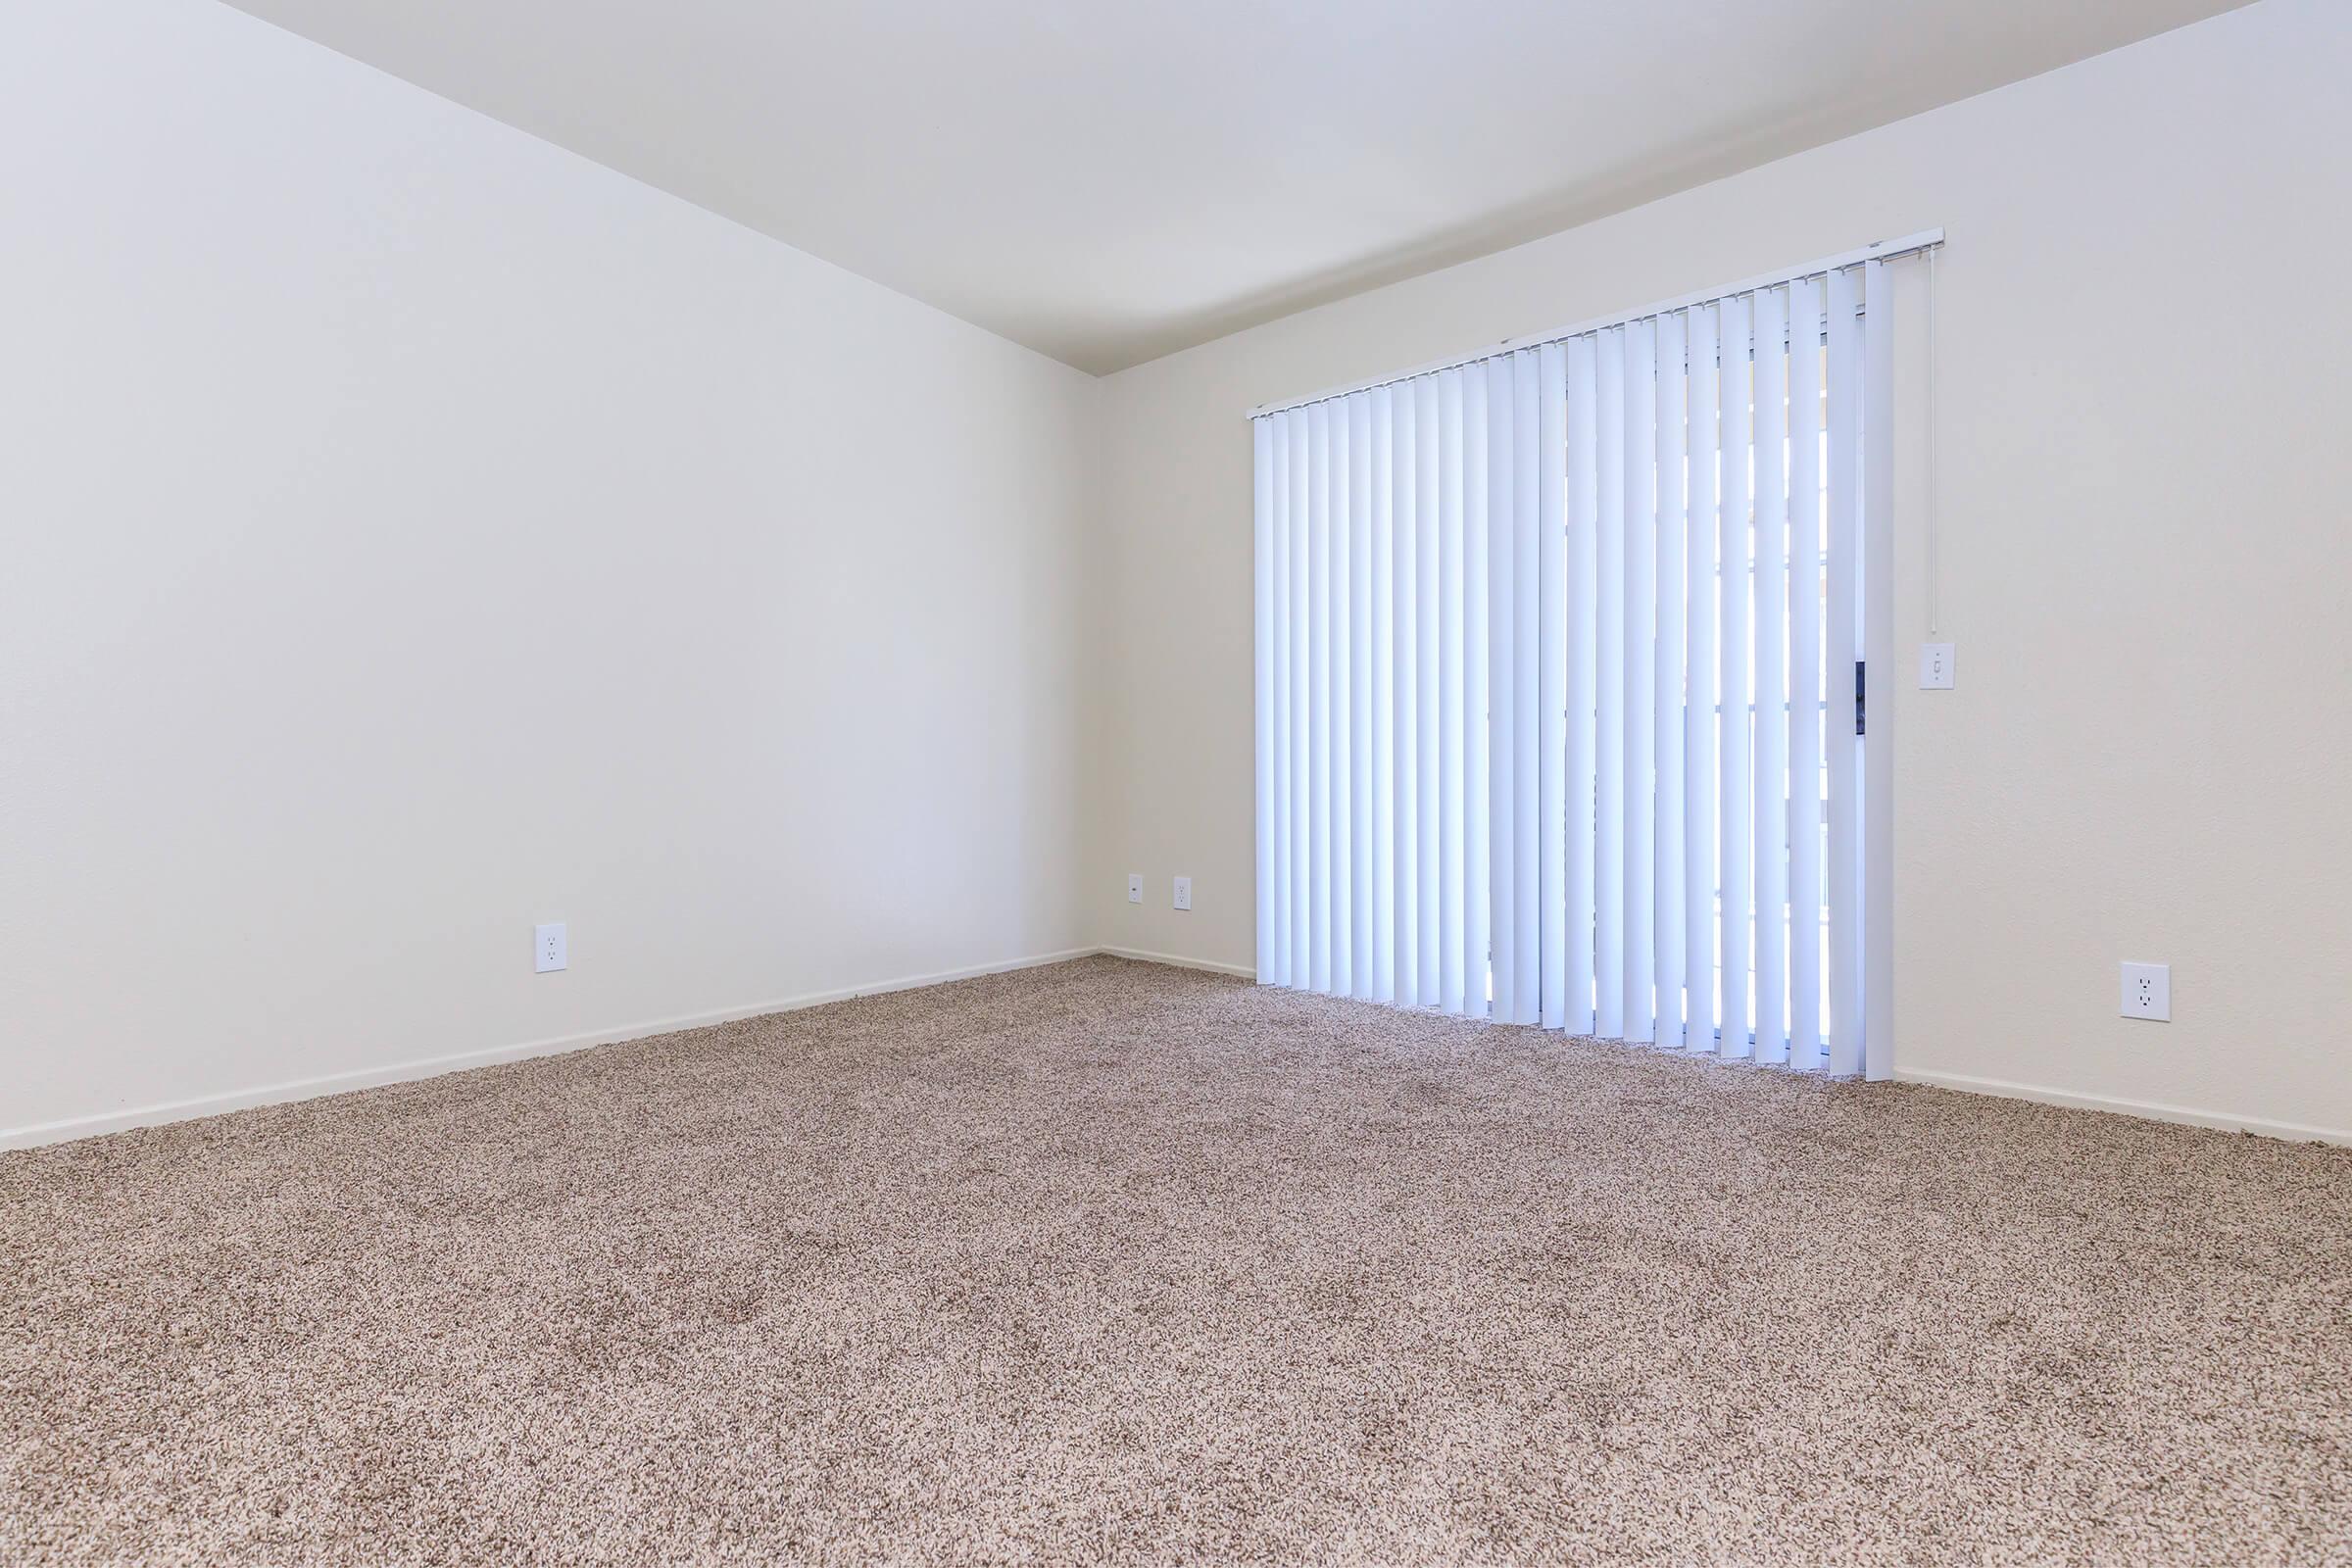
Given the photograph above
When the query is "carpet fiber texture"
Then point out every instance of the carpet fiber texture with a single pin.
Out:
(1113, 1263)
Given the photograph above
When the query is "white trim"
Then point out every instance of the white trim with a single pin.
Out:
(1876, 651)
(1178, 962)
(58, 1132)
(1885, 250)
(2146, 1110)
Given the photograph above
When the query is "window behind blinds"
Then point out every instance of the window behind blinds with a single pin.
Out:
(1557, 654)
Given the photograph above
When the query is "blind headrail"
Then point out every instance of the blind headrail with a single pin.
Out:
(1878, 251)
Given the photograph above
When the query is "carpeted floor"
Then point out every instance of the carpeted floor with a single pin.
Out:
(1113, 1263)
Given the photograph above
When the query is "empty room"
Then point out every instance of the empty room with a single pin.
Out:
(873, 782)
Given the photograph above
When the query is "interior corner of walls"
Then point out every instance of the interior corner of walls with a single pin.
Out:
(1179, 961)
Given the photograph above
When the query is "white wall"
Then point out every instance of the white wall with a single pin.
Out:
(411, 531)
(2147, 551)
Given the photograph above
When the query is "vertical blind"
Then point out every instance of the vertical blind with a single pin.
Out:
(1557, 670)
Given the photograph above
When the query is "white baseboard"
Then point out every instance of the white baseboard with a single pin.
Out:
(1177, 961)
(58, 1132)
(2295, 1132)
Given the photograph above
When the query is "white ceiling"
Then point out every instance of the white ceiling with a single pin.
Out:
(1108, 182)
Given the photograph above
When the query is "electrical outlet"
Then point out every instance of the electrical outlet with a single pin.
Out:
(2148, 991)
(1934, 666)
(1184, 893)
(551, 947)
(1135, 887)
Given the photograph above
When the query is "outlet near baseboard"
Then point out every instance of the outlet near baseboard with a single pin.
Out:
(2148, 992)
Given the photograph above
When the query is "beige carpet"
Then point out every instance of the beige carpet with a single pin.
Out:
(1114, 1263)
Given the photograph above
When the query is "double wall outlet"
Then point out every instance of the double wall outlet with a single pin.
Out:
(551, 947)
(2148, 991)
(1184, 893)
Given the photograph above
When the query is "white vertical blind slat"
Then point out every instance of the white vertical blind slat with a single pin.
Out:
(1339, 778)
(1451, 687)
(1806, 540)
(1318, 696)
(1380, 417)
(1583, 652)
(1502, 693)
(1285, 694)
(1261, 436)
(1539, 426)
(1546, 404)
(1302, 830)
(1672, 661)
(1608, 673)
(1698, 707)
(1877, 564)
(1640, 675)
(1360, 695)
(1841, 646)
(1405, 486)
(1477, 845)
(1732, 803)
(1429, 794)
(1772, 676)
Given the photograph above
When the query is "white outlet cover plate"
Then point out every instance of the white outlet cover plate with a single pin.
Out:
(1184, 893)
(1934, 666)
(551, 947)
(1135, 887)
(2147, 991)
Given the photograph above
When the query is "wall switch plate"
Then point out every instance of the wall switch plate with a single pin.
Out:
(1135, 887)
(2148, 991)
(1934, 666)
(551, 947)
(1184, 893)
